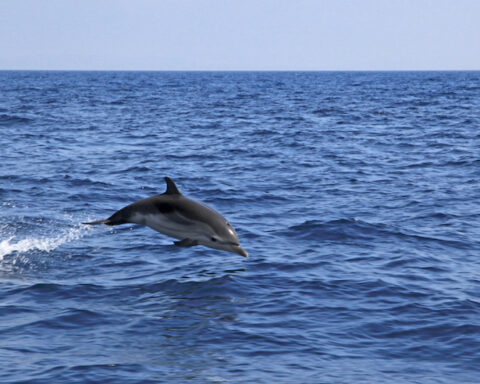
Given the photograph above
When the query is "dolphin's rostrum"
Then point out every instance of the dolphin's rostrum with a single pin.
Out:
(175, 215)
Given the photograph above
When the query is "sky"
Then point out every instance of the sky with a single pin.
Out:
(240, 34)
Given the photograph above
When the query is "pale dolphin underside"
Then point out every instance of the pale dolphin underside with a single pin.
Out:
(175, 215)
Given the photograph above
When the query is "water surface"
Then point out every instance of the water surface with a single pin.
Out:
(356, 195)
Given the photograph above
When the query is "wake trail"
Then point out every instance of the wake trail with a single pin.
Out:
(40, 242)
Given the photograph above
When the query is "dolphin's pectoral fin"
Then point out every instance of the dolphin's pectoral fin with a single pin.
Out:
(186, 243)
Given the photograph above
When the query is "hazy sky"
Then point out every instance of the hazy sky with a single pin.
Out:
(240, 34)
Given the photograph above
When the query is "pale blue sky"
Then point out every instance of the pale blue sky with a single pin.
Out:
(240, 34)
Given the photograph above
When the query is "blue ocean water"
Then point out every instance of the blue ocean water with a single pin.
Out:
(357, 196)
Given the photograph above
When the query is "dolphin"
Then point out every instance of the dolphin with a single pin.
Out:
(177, 216)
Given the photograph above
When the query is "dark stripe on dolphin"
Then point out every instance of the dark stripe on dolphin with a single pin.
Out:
(148, 206)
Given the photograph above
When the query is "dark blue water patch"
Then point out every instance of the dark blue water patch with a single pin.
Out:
(356, 195)
(13, 120)
(345, 230)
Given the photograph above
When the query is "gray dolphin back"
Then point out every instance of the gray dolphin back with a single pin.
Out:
(148, 206)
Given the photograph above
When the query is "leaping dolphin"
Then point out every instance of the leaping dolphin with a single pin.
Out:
(175, 215)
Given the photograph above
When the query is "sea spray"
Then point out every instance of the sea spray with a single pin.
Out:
(44, 243)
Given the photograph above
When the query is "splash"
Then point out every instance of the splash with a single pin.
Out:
(41, 243)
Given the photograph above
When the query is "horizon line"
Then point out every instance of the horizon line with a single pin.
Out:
(235, 70)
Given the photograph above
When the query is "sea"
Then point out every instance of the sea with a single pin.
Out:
(356, 194)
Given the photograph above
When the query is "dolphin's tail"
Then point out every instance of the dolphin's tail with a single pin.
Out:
(98, 222)
(119, 217)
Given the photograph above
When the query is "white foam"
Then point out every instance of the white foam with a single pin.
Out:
(41, 243)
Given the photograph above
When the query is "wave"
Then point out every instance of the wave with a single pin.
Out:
(340, 229)
(355, 229)
(7, 120)
(41, 243)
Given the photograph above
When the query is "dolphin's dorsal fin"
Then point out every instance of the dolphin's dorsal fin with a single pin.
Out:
(171, 187)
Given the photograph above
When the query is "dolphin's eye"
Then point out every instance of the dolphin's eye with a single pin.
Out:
(213, 239)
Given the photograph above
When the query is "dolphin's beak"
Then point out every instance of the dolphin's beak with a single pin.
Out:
(240, 251)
